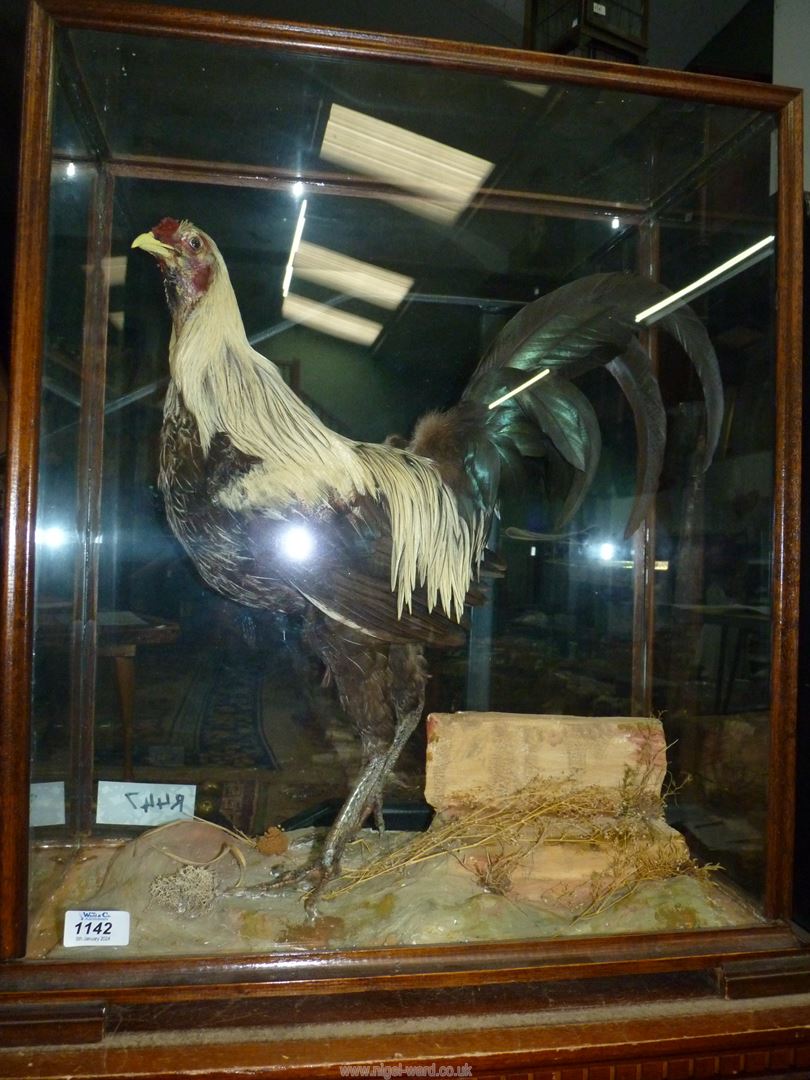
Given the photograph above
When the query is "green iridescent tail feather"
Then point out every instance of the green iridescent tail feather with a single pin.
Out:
(587, 324)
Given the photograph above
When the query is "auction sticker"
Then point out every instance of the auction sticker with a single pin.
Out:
(96, 928)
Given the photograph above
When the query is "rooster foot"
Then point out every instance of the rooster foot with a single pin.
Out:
(313, 876)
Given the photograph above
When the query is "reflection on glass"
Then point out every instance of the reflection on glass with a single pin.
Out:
(344, 274)
(445, 178)
(423, 232)
(330, 320)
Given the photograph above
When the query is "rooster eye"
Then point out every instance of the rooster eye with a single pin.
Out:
(195, 243)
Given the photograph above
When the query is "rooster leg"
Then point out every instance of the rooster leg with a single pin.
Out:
(392, 683)
(382, 690)
(406, 679)
(363, 679)
(373, 749)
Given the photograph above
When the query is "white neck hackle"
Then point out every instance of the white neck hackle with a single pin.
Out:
(229, 387)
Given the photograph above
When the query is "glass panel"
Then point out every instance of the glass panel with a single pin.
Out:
(381, 225)
(146, 95)
(59, 539)
(714, 529)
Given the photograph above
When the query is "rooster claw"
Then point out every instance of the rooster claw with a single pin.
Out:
(319, 877)
(311, 900)
(312, 874)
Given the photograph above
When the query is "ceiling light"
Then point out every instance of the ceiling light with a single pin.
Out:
(351, 276)
(329, 320)
(443, 179)
(729, 268)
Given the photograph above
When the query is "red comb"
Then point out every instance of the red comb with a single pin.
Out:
(166, 229)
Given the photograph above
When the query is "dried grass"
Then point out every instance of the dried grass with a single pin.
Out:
(634, 866)
(516, 819)
(625, 821)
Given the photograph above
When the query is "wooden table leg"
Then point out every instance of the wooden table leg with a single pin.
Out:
(125, 680)
(124, 657)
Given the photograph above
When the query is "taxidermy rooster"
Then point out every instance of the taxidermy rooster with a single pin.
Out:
(380, 546)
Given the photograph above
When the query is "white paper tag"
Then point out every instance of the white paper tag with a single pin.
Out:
(96, 928)
(46, 805)
(599, 9)
(128, 802)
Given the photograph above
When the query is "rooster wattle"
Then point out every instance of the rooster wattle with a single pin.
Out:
(380, 546)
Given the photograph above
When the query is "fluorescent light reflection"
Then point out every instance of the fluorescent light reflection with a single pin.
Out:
(628, 564)
(351, 276)
(299, 229)
(518, 389)
(114, 269)
(328, 320)
(737, 263)
(535, 89)
(444, 179)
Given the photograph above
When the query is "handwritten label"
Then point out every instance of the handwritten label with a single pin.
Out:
(129, 802)
(96, 928)
(599, 9)
(46, 804)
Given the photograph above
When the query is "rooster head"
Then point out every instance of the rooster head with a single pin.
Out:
(188, 259)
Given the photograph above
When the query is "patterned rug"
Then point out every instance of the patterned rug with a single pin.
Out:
(201, 707)
(220, 718)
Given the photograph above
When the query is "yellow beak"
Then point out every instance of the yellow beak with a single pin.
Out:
(151, 244)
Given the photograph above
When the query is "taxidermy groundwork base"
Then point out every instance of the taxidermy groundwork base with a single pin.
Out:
(545, 826)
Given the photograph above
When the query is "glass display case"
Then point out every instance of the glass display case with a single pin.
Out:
(240, 570)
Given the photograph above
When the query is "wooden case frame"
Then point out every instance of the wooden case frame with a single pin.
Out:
(43, 1001)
